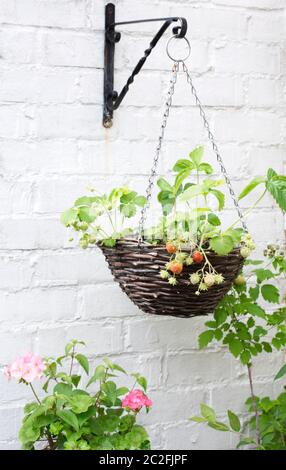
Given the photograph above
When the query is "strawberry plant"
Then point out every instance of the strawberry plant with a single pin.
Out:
(190, 226)
(69, 416)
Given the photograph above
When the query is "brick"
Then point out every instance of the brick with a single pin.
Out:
(55, 195)
(37, 157)
(23, 306)
(146, 334)
(212, 91)
(70, 267)
(212, 23)
(66, 13)
(259, 4)
(167, 407)
(206, 438)
(15, 273)
(247, 58)
(266, 27)
(19, 46)
(28, 84)
(70, 121)
(261, 126)
(107, 340)
(261, 158)
(117, 157)
(198, 367)
(35, 234)
(10, 419)
(105, 301)
(74, 49)
(263, 92)
(15, 342)
(15, 196)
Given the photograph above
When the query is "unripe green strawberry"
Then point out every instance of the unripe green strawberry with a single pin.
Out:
(164, 274)
(173, 281)
(195, 278)
(219, 278)
(239, 281)
(209, 280)
(245, 252)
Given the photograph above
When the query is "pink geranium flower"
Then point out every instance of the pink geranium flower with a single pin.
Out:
(28, 367)
(135, 400)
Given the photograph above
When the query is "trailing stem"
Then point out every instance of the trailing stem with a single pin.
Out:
(257, 433)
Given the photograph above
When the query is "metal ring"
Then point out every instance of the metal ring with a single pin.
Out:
(168, 52)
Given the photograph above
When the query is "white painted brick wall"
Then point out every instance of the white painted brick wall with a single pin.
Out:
(52, 146)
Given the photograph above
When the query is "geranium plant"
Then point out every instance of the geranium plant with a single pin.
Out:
(68, 416)
(190, 224)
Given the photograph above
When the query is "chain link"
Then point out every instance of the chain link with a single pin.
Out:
(214, 146)
(153, 172)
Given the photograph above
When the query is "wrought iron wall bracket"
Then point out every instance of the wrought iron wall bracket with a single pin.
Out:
(112, 99)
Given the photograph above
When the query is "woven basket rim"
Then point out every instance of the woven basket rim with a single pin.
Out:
(162, 245)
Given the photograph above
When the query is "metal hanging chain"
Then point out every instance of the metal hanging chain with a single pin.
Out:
(214, 146)
(153, 172)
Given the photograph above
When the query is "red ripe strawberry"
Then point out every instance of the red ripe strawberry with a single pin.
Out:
(176, 268)
(197, 257)
(170, 248)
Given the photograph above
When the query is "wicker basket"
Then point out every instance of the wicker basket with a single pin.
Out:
(137, 269)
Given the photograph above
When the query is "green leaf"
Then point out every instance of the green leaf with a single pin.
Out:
(196, 155)
(69, 217)
(245, 442)
(128, 210)
(280, 373)
(235, 234)
(218, 426)
(214, 220)
(80, 403)
(219, 196)
(222, 244)
(205, 338)
(254, 292)
(183, 164)
(140, 201)
(191, 192)
(251, 186)
(207, 412)
(86, 214)
(164, 185)
(276, 185)
(255, 310)
(235, 347)
(83, 361)
(180, 178)
(63, 389)
(263, 274)
(245, 357)
(267, 347)
(270, 293)
(233, 421)
(220, 316)
(206, 168)
(122, 391)
(69, 417)
(198, 419)
(99, 374)
(109, 242)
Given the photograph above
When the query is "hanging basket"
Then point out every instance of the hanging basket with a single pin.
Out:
(137, 270)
